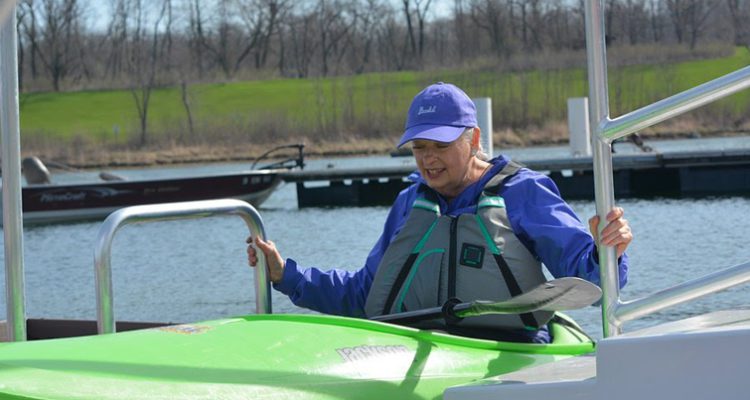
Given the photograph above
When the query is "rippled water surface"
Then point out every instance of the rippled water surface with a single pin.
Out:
(196, 270)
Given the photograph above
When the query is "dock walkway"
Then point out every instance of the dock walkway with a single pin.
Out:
(673, 174)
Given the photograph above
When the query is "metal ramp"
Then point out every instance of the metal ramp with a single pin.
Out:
(701, 357)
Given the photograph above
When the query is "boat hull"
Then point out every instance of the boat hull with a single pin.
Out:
(267, 356)
(61, 203)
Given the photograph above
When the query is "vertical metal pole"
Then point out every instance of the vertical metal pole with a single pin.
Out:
(596, 54)
(11, 168)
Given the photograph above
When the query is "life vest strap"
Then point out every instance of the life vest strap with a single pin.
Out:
(515, 289)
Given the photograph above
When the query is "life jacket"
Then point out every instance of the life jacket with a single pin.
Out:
(468, 257)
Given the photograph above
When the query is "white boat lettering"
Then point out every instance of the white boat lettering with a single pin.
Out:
(67, 196)
(79, 195)
(364, 352)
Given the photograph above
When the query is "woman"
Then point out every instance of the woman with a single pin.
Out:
(468, 228)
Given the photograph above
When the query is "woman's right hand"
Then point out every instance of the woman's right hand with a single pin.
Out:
(273, 259)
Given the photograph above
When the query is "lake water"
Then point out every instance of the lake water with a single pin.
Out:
(195, 270)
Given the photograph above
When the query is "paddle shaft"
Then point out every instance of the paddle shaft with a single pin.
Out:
(446, 311)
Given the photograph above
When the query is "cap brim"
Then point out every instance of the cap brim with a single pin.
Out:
(437, 133)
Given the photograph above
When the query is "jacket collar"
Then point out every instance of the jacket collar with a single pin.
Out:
(467, 198)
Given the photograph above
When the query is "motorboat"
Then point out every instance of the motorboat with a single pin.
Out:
(46, 202)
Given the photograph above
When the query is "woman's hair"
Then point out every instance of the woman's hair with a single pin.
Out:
(480, 154)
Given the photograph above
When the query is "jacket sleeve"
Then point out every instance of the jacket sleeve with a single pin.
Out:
(337, 291)
(550, 229)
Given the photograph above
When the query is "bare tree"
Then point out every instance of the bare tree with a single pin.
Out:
(117, 38)
(167, 43)
(218, 43)
(558, 21)
(55, 47)
(419, 9)
(634, 20)
(490, 16)
(409, 26)
(261, 18)
(258, 18)
(739, 12)
(241, 28)
(28, 35)
(461, 26)
(656, 19)
(530, 14)
(367, 25)
(185, 98)
(301, 30)
(195, 34)
(334, 22)
(391, 48)
(143, 59)
(688, 18)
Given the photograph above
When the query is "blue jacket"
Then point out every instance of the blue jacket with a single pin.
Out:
(538, 215)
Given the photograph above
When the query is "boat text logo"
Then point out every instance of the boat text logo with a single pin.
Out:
(359, 353)
(65, 195)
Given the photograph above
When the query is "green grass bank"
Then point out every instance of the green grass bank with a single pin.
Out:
(367, 109)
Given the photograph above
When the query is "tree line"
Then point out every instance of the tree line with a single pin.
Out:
(140, 44)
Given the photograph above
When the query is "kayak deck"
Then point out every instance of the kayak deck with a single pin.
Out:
(267, 356)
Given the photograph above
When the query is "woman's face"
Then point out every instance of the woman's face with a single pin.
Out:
(446, 167)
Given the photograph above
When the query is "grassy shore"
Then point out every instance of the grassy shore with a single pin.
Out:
(349, 115)
(554, 134)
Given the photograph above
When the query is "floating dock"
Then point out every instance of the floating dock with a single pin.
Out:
(673, 174)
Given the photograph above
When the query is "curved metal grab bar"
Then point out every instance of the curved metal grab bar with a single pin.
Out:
(169, 212)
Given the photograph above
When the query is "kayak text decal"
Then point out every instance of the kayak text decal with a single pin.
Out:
(364, 352)
(185, 329)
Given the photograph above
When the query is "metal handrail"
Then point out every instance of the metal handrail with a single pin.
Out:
(170, 212)
(711, 283)
(614, 312)
(675, 105)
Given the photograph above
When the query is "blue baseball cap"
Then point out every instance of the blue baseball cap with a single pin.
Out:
(440, 112)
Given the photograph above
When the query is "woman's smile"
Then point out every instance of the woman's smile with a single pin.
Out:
(433, 173)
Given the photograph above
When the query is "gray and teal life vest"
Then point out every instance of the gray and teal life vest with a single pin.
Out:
(468, 257)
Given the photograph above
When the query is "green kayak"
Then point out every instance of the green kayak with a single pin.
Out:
(275, 356)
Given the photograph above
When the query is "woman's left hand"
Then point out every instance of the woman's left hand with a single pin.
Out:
(616, 233)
